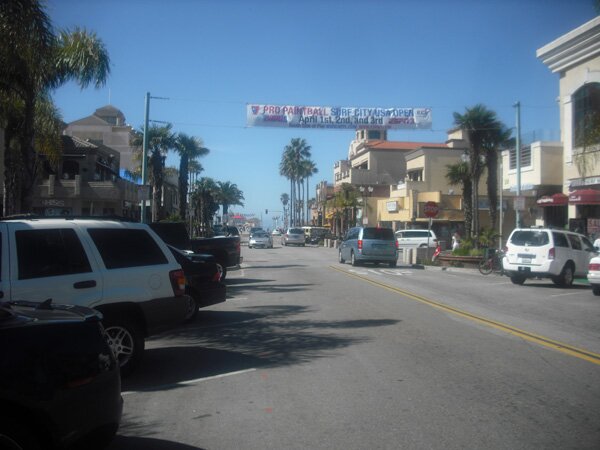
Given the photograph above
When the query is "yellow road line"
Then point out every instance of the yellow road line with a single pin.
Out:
(540, 340)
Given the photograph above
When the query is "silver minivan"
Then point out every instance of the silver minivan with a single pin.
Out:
(369, 244)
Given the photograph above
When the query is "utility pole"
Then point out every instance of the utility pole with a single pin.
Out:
(145, 153)
(518, 157)
(145, 158)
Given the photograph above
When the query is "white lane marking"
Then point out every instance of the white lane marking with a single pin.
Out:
(197, 380)
(563, 295)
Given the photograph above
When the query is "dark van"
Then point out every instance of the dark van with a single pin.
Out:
(369, 244)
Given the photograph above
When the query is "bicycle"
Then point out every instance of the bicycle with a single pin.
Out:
(492, 264)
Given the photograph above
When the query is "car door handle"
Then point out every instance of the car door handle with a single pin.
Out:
(85, 284)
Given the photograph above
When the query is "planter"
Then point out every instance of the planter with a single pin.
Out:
(449, 260)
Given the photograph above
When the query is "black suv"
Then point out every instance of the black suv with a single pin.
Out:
(59, 380)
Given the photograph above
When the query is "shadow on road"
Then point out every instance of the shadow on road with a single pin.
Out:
(145, 443)
(220, 342)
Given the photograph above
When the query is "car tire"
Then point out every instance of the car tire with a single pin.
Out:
(353, 260)
(566, 277)
(596, 289)
(126, 340)
(393, 264)
(192, 306)
(517, 279)
(14, 436)
(340, 259)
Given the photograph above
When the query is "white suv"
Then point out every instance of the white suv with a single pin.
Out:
(415, 238)
(122, 269)
(543, 252)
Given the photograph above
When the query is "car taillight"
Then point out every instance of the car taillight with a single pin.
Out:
(594, 266)
(551, 253)
(178, 282)
(217, 275)
(359, 243)
(396, 242)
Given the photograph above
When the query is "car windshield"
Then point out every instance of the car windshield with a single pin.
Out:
(531, 238)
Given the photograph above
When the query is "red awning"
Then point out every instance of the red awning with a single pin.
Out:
(558, 199)
(584, 197)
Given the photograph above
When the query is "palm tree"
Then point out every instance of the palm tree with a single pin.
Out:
(291, 168)
(309, 168)
(205, 203)
(36, 61)
(228, 194)
(460, 175)
(189, 148)
(499, 138)
(160, 141)
(285, 198)
(481, 126)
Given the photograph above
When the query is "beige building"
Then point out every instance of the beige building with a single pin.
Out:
(107, 126)
(575, 57)
(86, 182)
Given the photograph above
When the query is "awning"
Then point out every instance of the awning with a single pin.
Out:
(558, 199)
(584, 197)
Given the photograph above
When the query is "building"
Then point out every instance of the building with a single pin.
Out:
(575, 57)
(85, 182)
(107, 126)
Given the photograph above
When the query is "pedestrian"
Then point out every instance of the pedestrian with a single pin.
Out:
(455, 241)
(438, 250)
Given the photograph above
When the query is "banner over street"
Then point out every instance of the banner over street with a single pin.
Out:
(337, 117)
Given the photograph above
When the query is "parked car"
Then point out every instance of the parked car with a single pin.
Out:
(548, 253)
(59, 380)
(593, 274)
(293, 236)
(415, 238)
(202, 280)
(260, 239)
(369, 244)
(122, 269)
(225, 249)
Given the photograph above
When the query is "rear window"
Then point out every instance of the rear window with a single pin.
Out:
(531, 238)
(296, 231)
(382, 234)
(121, 248)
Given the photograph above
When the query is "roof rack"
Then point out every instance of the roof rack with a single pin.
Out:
(40, 217)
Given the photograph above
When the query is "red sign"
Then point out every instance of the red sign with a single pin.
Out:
(431, 209)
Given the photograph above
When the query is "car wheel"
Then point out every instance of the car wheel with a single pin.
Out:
(249, 246)
(14, 436)
(340, 259)
(393, 264)
(192, 306)
(353, 260)
(596, 289)
(125, 338)
(517, 279)
(566, 277)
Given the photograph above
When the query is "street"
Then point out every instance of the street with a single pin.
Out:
(310, 353)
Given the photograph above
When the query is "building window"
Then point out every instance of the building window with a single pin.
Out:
(70, 169)
(586, 115)
(374, 134)
(415, 175)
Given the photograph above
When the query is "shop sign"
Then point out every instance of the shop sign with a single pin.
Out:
(392, 206)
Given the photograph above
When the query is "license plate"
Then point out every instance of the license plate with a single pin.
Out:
(525, 260)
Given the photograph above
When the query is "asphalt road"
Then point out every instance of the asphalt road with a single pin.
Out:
(309, 353)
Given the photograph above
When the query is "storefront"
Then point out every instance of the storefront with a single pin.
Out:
(587, 217)
(555, 209)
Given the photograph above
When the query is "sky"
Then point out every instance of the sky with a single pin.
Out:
(210, 58)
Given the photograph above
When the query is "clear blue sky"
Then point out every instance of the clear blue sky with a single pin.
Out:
(210, 58)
